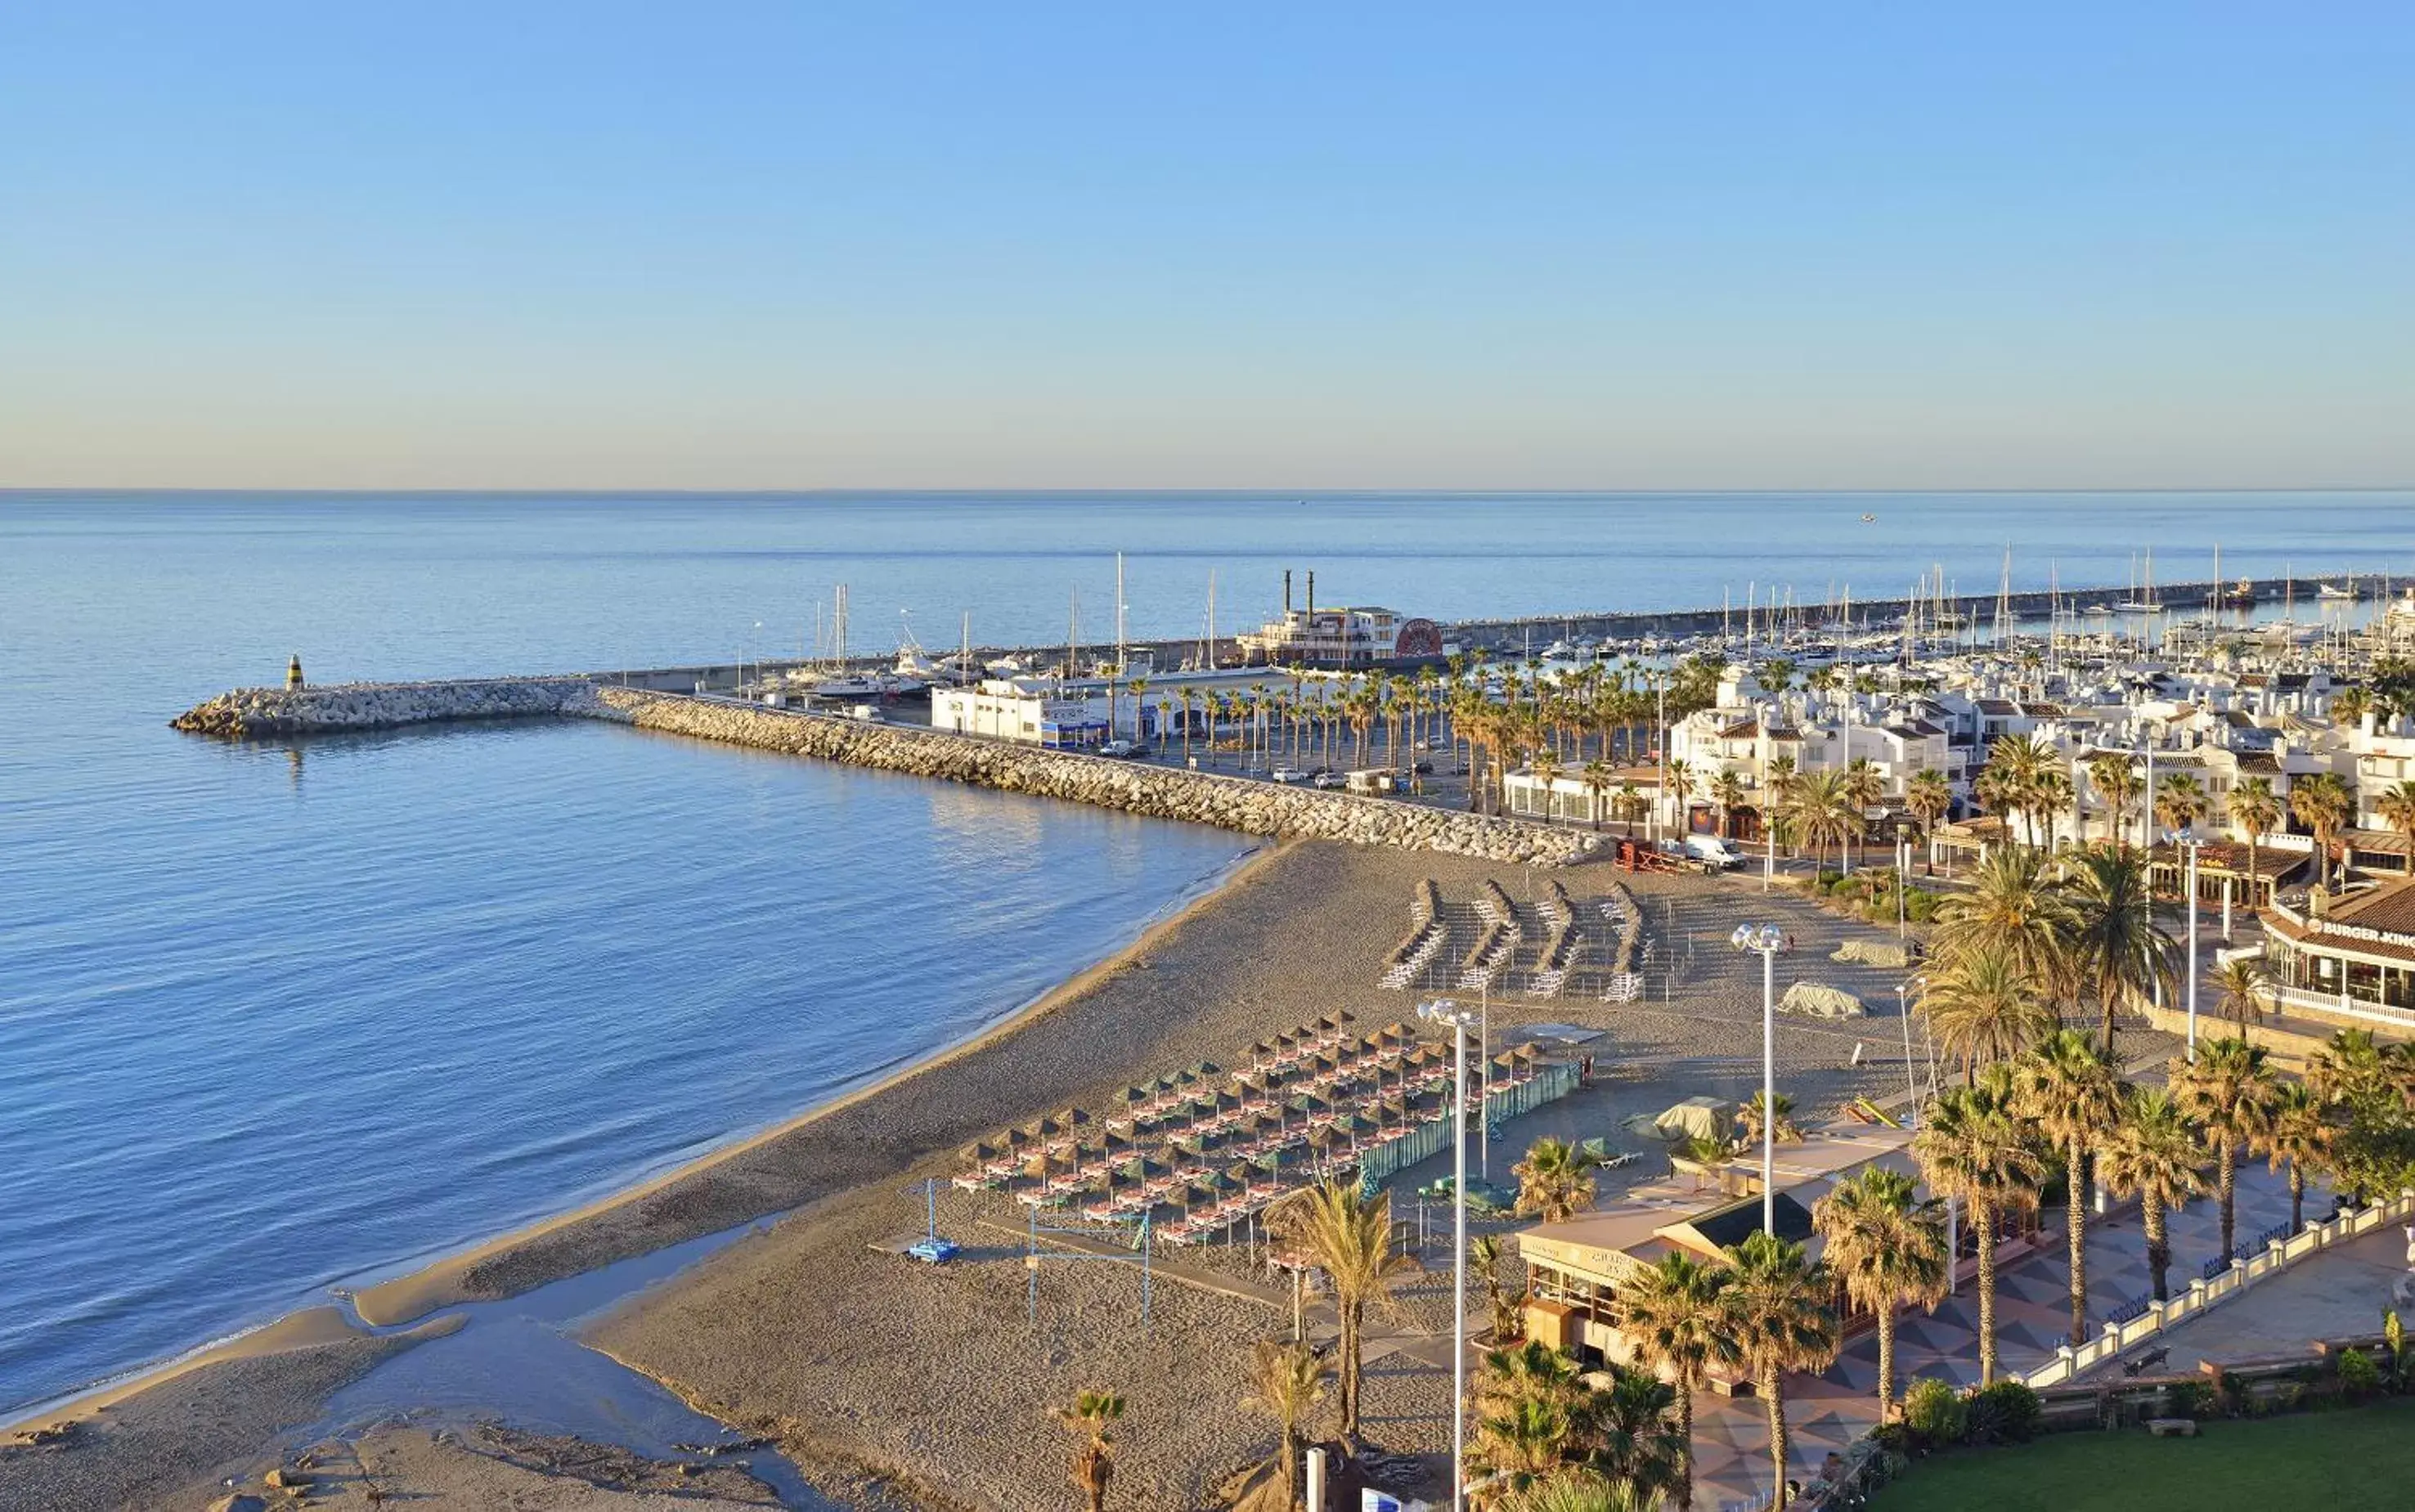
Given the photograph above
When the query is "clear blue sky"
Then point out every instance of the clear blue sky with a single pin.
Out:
(1131, 244)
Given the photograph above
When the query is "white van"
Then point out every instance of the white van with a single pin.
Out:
(1711, 849)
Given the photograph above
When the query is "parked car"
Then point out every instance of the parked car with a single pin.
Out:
(1423, 768)
(1288, 774)
(1121, 750)
(1331, 779)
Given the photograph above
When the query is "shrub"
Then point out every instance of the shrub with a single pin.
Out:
(2188, 1398)
(2005, 1413)
(1826, 881)
(1922, 907)
(2359, 1377)
(1936, 1414)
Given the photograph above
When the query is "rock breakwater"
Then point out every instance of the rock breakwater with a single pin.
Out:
(1235, 803)
(249, 713)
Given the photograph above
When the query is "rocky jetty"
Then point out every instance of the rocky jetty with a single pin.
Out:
(1250, 807)
(1159, 792)
(249, 713)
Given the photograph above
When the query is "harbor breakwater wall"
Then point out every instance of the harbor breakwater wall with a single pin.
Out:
(1251, 807)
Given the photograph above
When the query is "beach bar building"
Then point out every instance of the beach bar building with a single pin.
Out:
(1576, 1269)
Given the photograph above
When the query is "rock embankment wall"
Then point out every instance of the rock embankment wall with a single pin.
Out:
(1250, 807)
(251, 713)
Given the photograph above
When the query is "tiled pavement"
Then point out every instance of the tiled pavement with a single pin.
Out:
(1828, 1411)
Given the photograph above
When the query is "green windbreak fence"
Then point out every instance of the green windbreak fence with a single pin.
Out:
(1551, 1081)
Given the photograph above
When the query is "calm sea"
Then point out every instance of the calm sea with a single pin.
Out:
(272, 1018)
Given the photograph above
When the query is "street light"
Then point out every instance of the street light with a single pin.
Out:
(1903, 1011)
(1456, 1014)
(1767, 941)
(2185, 840)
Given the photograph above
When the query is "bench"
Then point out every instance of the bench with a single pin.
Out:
(2134, 1368)
(2172, 1428)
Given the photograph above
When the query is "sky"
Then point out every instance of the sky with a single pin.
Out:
(725, 246)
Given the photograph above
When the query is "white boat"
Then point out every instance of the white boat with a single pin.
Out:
(2335, 593)
(861, 687)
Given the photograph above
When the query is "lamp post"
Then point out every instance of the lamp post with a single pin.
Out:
(1766, 941)
(2189, 844)
(1445, 1011)
(1903, 1012)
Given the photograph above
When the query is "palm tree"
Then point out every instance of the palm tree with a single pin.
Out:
(2396, 806)
(1888, 1250)
(1545, 767)
(2116, 781)
(1286, 1383)
(1554, 1180)
(1928, 795)
(1183, 696)
(2071, 1091)
(1580, 1491)
(2153, 1156)
(1630, 1430)
(2115, 941)
(2350, 705)
(2243, 986)
(1138, 688)
(2012, 907)
(1598, 775)
(2254, 809)
(2053, 794)
(1977, 1149)
(1350, 1238)
(1094, 1462)
(1748, 1121)
(2299, 1131)
(1485, 1254)
(1821, 803)
(1673, 1316)
(1863, 787)
(1778, 1309)
(1726, 791)
(2179, 802)
(1983, 1007)
(2322, 804)
(2227, 1091)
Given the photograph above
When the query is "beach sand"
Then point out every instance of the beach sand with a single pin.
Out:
(862, 1359)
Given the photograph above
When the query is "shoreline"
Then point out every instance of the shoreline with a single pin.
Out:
(443, 1282)
(431, 1285)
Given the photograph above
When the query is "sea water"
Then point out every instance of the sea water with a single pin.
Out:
(279, 1016)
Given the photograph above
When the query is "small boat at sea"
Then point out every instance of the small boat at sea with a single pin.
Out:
(2337, 594)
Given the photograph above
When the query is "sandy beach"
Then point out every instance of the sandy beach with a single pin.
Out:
(807, 1334)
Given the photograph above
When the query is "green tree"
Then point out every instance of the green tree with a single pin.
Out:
(1349, 1235)
(1675, 1317)
(2323, 804)
(2299, 1133)
(1975, 1148)
(2255, 810)
(2115, 942)
(2228, 1092)
(1094, 1460)
(1887, 1250)
(2153, 1156)
(1778, 1315)
(2071, 1090)
(2242, 989)
(1555, 1180)
(1928, 795)
(1288, 1383)
(1982, 1006)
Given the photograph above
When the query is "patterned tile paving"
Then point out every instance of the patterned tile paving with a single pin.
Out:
(1826, 1411)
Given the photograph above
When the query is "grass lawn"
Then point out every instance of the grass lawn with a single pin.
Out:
(2330, 1461)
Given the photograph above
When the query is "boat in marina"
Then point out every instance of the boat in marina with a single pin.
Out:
(2337, 592)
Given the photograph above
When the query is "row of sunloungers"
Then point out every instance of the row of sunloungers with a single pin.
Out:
(1428, 935)
(1203, 1149)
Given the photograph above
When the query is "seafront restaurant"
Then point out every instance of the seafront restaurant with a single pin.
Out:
(2225, 875)
(1575, 1268)
(2349, 958)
